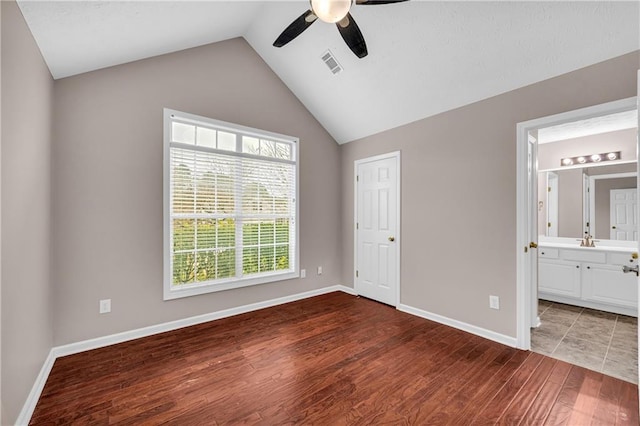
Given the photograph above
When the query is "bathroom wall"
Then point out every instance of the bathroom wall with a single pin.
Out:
(549, 154)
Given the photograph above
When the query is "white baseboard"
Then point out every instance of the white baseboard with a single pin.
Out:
(99, 342)
(27, 409)
(478, 331)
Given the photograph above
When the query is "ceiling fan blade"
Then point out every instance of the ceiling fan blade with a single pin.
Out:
(352, 36)
(296, 28)
(379, 1)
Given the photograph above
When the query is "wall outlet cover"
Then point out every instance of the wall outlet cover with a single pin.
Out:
(105, 306)
(494, 302)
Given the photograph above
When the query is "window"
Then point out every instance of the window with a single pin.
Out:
(230, 211)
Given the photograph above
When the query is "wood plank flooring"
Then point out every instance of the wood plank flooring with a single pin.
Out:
(329, 360)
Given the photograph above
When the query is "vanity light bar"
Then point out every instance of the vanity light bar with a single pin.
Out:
(593, 158)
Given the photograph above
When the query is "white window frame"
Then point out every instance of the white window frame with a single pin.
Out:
(172, 291)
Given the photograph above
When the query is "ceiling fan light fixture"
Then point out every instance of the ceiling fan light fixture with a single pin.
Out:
(331, 11)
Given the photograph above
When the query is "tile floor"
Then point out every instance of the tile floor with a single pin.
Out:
(596, 340)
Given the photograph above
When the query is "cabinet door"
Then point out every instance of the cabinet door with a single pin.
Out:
(608, 284)
(559, 277)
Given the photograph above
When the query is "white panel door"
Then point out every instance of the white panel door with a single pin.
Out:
(623, 214)
(377, 226)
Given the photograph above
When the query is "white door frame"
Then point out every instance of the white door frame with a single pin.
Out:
(638, 193)
(524, 286)
(393, 155)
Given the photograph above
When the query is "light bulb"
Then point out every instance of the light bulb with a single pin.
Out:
(595, 158)
(331, 11)
(567, 161)
(582, 160)
(612, 156)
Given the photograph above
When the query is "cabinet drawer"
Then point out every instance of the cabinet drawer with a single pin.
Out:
(621, 259)
(548, 253)
(584, 256)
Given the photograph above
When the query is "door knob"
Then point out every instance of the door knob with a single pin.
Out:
(392, 239)
(533, 245)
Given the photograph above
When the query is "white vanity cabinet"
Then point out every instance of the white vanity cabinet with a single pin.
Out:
(588, 277)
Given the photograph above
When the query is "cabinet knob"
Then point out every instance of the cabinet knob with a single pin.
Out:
(577, 266)
(588, 267)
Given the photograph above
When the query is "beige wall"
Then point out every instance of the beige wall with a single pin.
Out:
(550, 154)
(458, 205)
(107, 183)
(603, 202)
(27, 89)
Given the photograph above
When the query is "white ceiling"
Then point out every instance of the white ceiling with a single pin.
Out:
(424, 58)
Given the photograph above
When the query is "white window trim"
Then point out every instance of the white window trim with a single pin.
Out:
(174, 292)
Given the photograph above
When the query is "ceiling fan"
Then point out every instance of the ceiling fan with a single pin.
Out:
(332, 11)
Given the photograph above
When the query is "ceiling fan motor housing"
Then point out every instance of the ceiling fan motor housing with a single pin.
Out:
(331, 11)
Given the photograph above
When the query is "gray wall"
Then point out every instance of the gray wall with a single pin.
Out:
(27, 333)
(107, 181)
(603, 202)
(458, 237)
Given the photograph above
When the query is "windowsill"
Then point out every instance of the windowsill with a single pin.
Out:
(187, 290)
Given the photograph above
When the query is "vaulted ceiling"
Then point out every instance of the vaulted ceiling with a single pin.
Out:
(425, 57)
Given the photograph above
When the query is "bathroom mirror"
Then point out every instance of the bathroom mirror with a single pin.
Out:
(600, 200)
(582, 167)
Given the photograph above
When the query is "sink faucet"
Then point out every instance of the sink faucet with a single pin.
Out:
(587, 241)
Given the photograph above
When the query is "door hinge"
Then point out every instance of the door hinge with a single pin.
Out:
(357, 225)
(548, 224)
(357, 178)
(356, 273)
(548, 189)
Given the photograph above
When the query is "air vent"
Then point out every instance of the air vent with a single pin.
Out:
(331, 62)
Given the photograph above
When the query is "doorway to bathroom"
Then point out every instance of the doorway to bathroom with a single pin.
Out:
(577, 230)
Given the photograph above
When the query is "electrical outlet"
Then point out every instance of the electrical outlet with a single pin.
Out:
(105, 306)
(303, 273)
(494, 302)
(319, 270)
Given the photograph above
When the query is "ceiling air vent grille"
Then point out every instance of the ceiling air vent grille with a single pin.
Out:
(331, 62)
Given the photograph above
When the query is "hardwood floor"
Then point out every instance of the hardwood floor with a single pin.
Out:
(332, 359)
